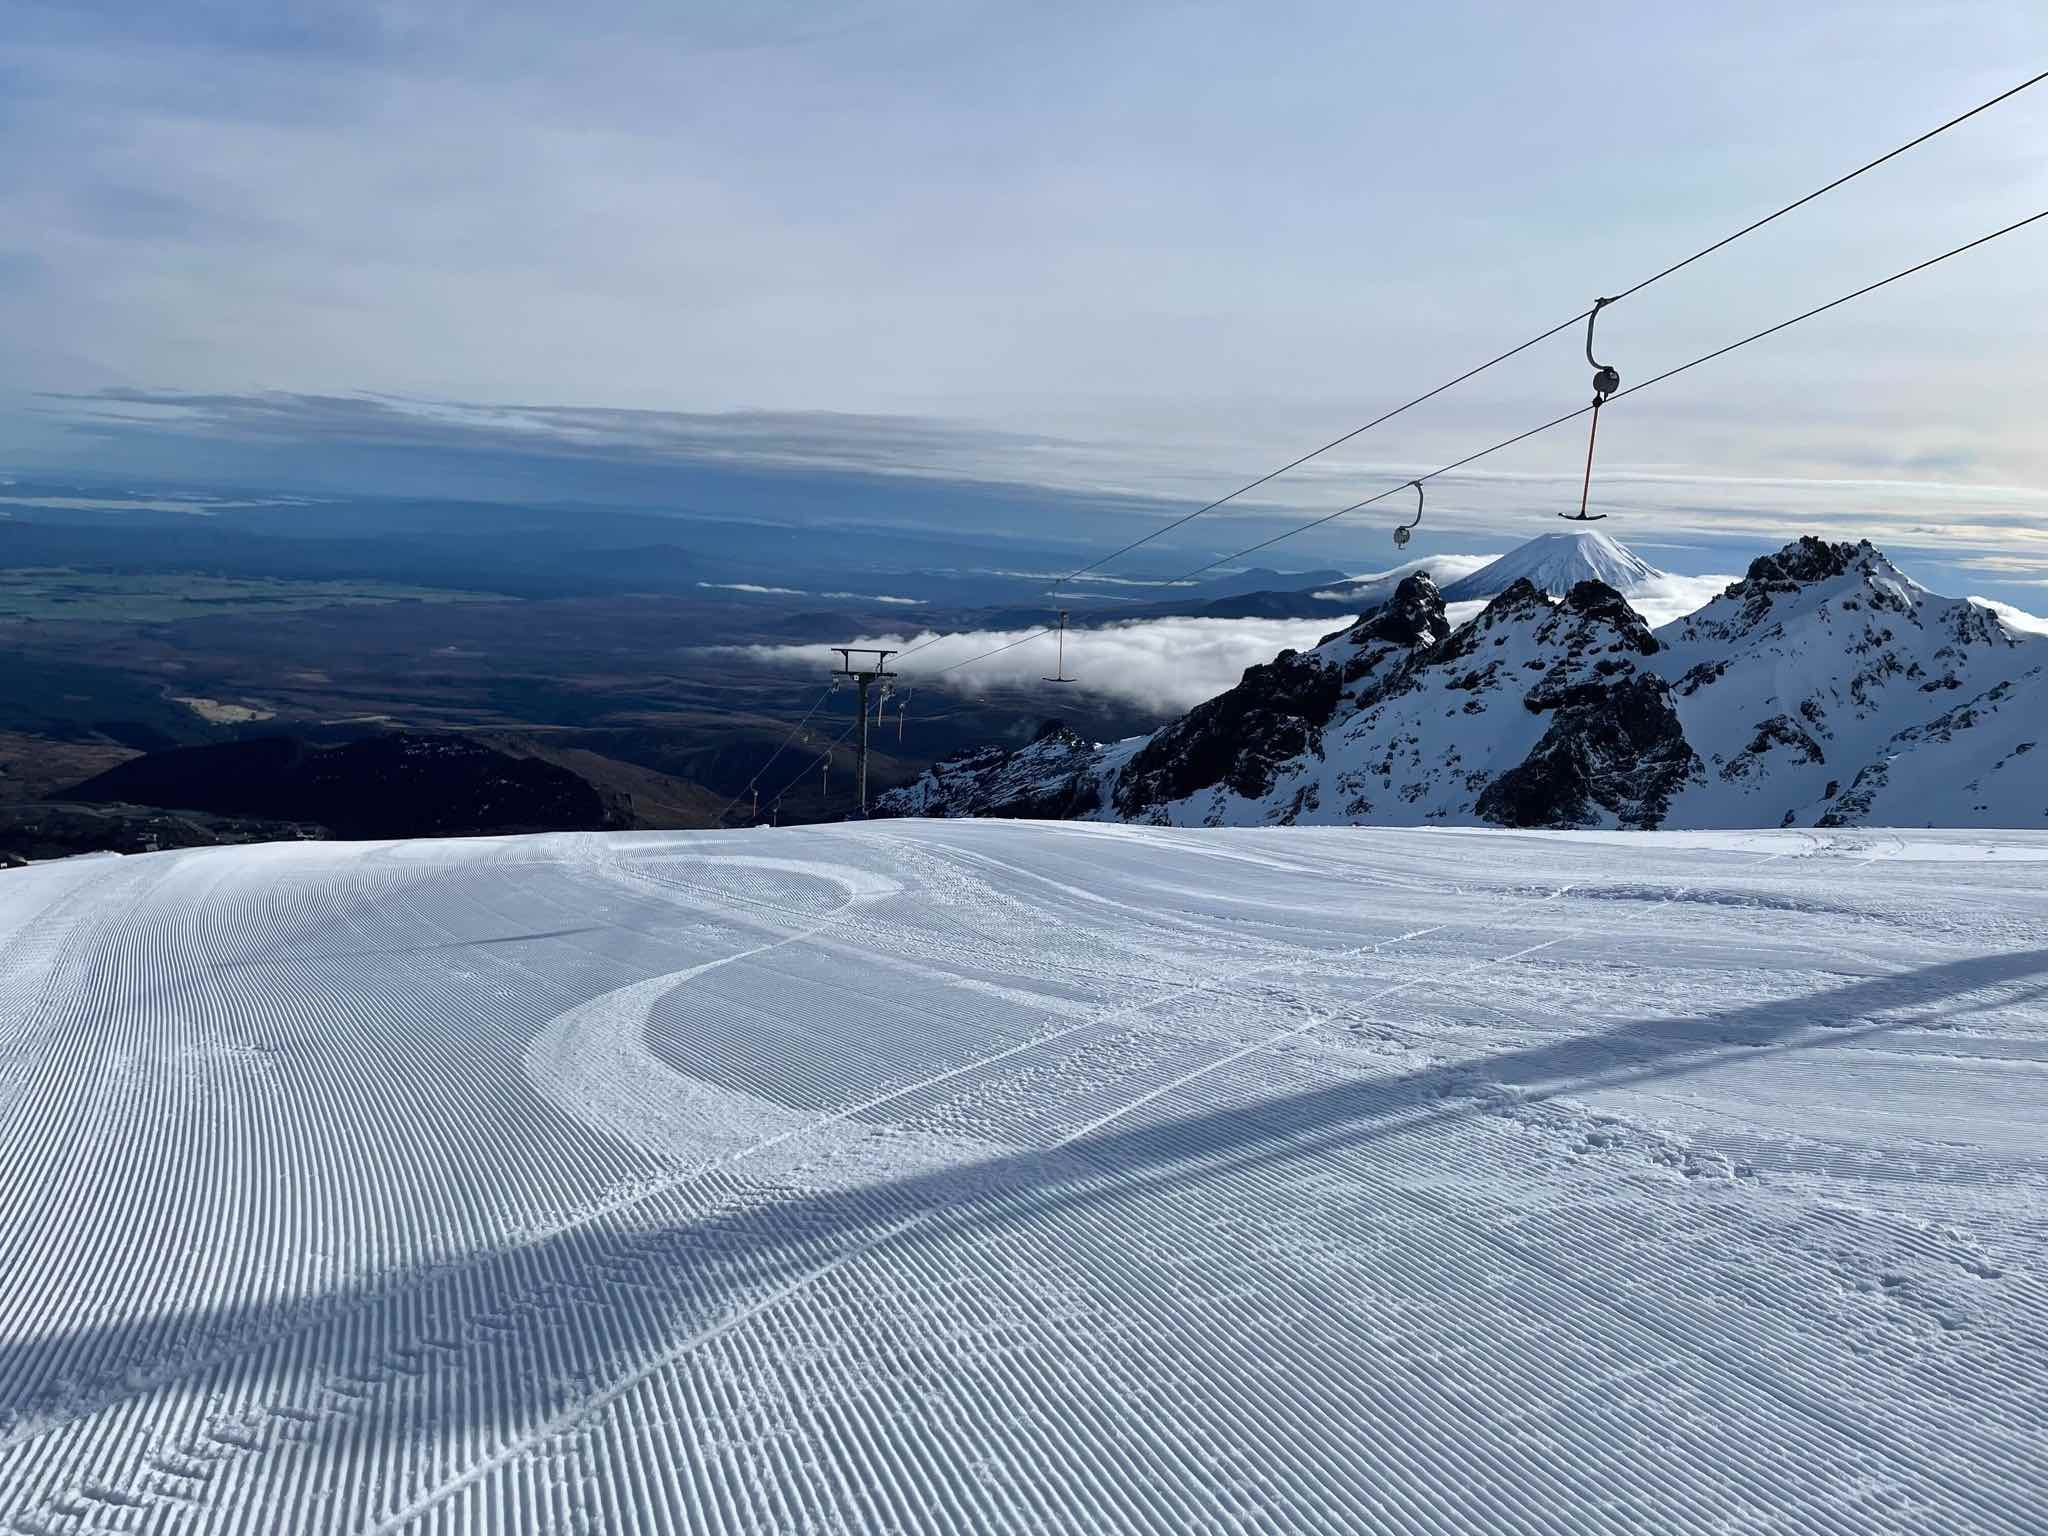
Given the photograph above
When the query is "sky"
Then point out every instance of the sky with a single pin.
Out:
(1124, 256)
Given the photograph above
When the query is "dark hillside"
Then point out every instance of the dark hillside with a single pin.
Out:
(406, 784)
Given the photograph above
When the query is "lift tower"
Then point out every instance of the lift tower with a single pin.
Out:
(866, 674)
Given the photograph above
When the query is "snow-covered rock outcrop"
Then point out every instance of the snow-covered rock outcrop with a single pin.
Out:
(1244, 742)
(1534, 714)
(1825, 688)
(1829, 688)
(1056, 776)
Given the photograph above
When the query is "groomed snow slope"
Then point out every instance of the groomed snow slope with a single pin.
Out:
(983, 1176)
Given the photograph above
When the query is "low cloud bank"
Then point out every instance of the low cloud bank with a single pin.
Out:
(1664, 598)
(1165, 665)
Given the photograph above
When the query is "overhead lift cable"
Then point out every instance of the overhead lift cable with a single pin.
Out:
(1562, 325)
(823, 757)
(1558, 421)
(795, 731)
(984, 656)
(922, 645)
(1521, 437)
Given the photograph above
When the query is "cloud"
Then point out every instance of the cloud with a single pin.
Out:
(902, 602)
(966, 477)
(1664, 598)
(339, 198)
(192, 506)
(799, 440)
(748, 586)
(2020, 570)
(1164, 665)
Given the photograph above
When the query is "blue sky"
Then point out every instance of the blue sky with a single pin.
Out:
(1147, 250)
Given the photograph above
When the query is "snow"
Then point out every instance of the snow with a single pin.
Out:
(1406, 746)
(1826, 688)
(2018, 620)
(1861, 694)
(984, 1176)
(1555, 563)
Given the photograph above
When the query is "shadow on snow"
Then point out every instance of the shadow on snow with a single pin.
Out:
(611, 1298)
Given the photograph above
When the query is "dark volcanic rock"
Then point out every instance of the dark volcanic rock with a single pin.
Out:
(1801, 564)
(1597, 600)
(1413, 616)
(1277, 713)
(1407, 625)
(1238, 738)
(1619, 748)
(1805, 561)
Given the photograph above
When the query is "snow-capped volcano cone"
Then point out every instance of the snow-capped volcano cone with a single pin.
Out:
(1555, 563)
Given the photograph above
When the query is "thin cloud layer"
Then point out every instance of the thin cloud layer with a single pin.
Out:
(756, 589)
(1114, 489)
(306, 227)
(775, 440)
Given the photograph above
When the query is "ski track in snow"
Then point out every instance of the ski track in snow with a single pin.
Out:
(945, 1176)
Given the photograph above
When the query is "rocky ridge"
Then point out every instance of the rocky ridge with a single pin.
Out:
(1825, 688)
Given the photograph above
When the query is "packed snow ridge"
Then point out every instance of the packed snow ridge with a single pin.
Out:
(986, 1177)
(1824, 689)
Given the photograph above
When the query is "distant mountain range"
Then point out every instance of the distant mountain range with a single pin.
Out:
(1824, 689)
